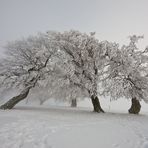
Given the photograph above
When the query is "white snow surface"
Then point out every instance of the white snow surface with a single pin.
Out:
(65, 127)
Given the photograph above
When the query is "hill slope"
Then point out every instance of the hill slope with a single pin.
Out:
(63, 127)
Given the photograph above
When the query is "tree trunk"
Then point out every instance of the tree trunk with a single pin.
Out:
(96, 104)
(135, 107)
(41, 101)
(74, 103)
(12, 102)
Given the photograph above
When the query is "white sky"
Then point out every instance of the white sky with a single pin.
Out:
(113, 20)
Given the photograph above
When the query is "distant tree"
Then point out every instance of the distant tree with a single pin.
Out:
(68, 93)
(38, 94)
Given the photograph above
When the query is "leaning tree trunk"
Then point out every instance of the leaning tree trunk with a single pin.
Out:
(12, 102)
(96, 104)
(135, 107)
(74, 103)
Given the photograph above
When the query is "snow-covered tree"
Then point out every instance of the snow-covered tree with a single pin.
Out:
(80, 61)
(26, 64)
(68, 93)
(126, 73)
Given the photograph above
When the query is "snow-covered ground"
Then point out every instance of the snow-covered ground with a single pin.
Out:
(65, 127)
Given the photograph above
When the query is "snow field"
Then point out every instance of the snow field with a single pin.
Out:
(63, 127)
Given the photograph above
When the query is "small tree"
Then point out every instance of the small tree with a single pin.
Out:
(39, 94)
(62, 90)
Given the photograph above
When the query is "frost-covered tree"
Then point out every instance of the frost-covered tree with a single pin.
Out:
(25, 65)
(80, 61)
(126, 73)
(38, 95)
(58, 90)
(68, 93)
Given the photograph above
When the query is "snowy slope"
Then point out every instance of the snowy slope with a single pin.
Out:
(63, 127)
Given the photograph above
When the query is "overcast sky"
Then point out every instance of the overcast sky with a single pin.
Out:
(113, 20)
